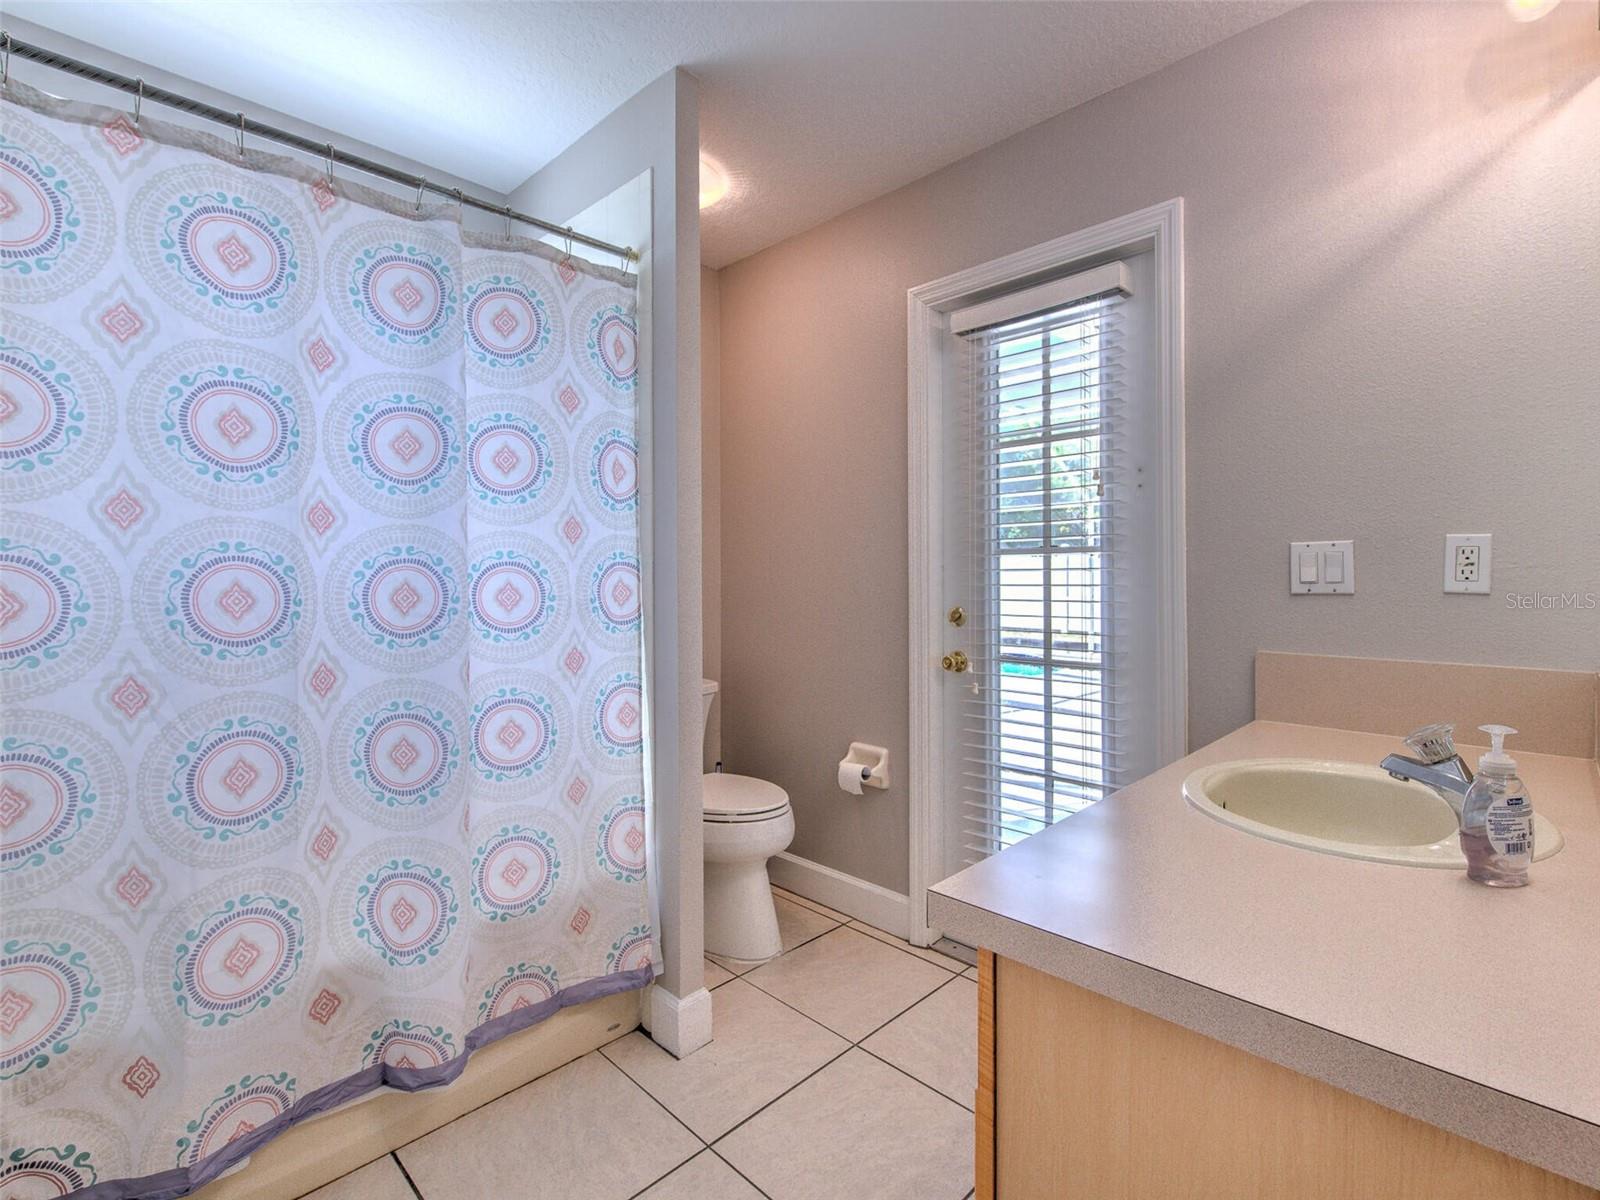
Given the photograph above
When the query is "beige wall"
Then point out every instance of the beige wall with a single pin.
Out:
(1393, 257)
(711, 489)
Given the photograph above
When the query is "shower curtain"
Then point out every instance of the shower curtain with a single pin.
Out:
(320, 646)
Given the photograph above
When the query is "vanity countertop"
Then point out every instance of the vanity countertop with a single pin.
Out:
(1473, 1008)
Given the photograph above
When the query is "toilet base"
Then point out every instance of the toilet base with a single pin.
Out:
(741, 919)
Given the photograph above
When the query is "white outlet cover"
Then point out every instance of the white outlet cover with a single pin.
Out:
(1467, 587)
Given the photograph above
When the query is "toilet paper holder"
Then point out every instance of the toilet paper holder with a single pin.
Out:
(864, 765)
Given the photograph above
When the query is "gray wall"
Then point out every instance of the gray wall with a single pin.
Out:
(711, 490)
(1393, 257)
(658, 131)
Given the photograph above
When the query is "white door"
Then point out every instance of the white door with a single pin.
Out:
(1050, 552)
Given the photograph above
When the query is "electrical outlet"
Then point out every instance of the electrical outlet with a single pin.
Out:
(1466, 563)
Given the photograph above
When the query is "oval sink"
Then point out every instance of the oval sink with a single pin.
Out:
(1339, 808)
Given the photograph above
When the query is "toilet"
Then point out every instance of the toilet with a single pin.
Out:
(747, 821)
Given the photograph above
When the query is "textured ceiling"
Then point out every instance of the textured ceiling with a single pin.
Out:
(813, 107)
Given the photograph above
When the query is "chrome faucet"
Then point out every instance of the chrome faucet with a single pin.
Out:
(1436, 764)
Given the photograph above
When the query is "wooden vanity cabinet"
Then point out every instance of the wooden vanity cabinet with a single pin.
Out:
(1083, 1098)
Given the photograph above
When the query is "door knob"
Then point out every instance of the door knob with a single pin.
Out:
(955, 661)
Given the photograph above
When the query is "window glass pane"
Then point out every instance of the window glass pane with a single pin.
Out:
(1044, 532)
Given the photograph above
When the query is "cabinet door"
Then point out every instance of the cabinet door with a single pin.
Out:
(1094, 1100)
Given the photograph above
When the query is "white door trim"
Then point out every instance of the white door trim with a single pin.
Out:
(1159, 227)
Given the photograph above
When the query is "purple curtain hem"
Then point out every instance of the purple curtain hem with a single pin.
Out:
(180, 1181)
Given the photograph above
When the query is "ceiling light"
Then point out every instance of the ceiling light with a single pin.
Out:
(713, 182)
(1525, 10)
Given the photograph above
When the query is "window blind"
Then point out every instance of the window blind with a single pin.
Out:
(1040, 718)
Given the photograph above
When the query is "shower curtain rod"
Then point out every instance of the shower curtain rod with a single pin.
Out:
(243, 125)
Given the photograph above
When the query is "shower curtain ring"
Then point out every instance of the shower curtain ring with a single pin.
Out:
(138, 102)
(566, 256)
(421, 184)
(327, 164)
(5, 65)
(241, 135)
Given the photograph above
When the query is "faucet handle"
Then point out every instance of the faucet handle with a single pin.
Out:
(1433, 743)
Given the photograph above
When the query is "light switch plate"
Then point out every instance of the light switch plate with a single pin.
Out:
(1466, 563)
(1322, 568)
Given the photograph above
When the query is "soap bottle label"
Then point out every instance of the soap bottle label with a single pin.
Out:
(1509, 826)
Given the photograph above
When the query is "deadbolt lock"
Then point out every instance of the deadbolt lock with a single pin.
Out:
(955, 661)
(958, 616)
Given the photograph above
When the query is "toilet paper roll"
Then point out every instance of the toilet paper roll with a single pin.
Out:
(850, 776)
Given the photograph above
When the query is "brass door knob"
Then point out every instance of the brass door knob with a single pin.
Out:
(955, 661)
(957, 616)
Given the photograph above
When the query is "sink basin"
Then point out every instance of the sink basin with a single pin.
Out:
(1340, 808)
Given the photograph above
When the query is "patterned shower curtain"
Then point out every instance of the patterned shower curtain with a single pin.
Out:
(320, 646)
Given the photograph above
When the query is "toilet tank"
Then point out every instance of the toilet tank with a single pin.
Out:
(708, 693)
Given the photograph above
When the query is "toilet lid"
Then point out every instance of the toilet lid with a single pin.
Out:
(733, 796)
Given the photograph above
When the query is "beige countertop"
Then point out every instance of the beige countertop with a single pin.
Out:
(1473, 1008)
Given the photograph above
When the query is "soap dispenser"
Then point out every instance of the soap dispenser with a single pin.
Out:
(1497, 818)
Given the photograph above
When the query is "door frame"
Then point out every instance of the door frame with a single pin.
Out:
(1159, 227)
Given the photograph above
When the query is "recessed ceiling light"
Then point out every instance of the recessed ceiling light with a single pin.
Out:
(713, 182)
(1528, 10)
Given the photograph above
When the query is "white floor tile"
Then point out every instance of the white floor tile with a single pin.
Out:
(813, 905)
(954, 965)
(937, 1041)
(585, 1130)
(716, 973)
(378, 1180)
(703, 1177)
(970, 973)
(736, 966)
(848, 981)
(798, 924)
(759, 1049)
(857, 1128)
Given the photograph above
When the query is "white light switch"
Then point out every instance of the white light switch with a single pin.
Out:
(1322, 568)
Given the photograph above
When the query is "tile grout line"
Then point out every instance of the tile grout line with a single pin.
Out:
(859, 1046)
(823, 1067)
(704, 1145)
(757, 964)
(851, 1044)
(815, 906)
(849, 1047)
(804, 1014)
(891, 945)
(503, 1095)
(670, 1171)
(739, 1173)
(913, 1078)
(410, 1182)
(835, 1032)
(906, 948)
(904, 1011)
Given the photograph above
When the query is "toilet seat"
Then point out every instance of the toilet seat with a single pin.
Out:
(735, 799)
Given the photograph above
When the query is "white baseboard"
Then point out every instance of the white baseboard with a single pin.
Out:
(679, 1026)
(877, 906)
